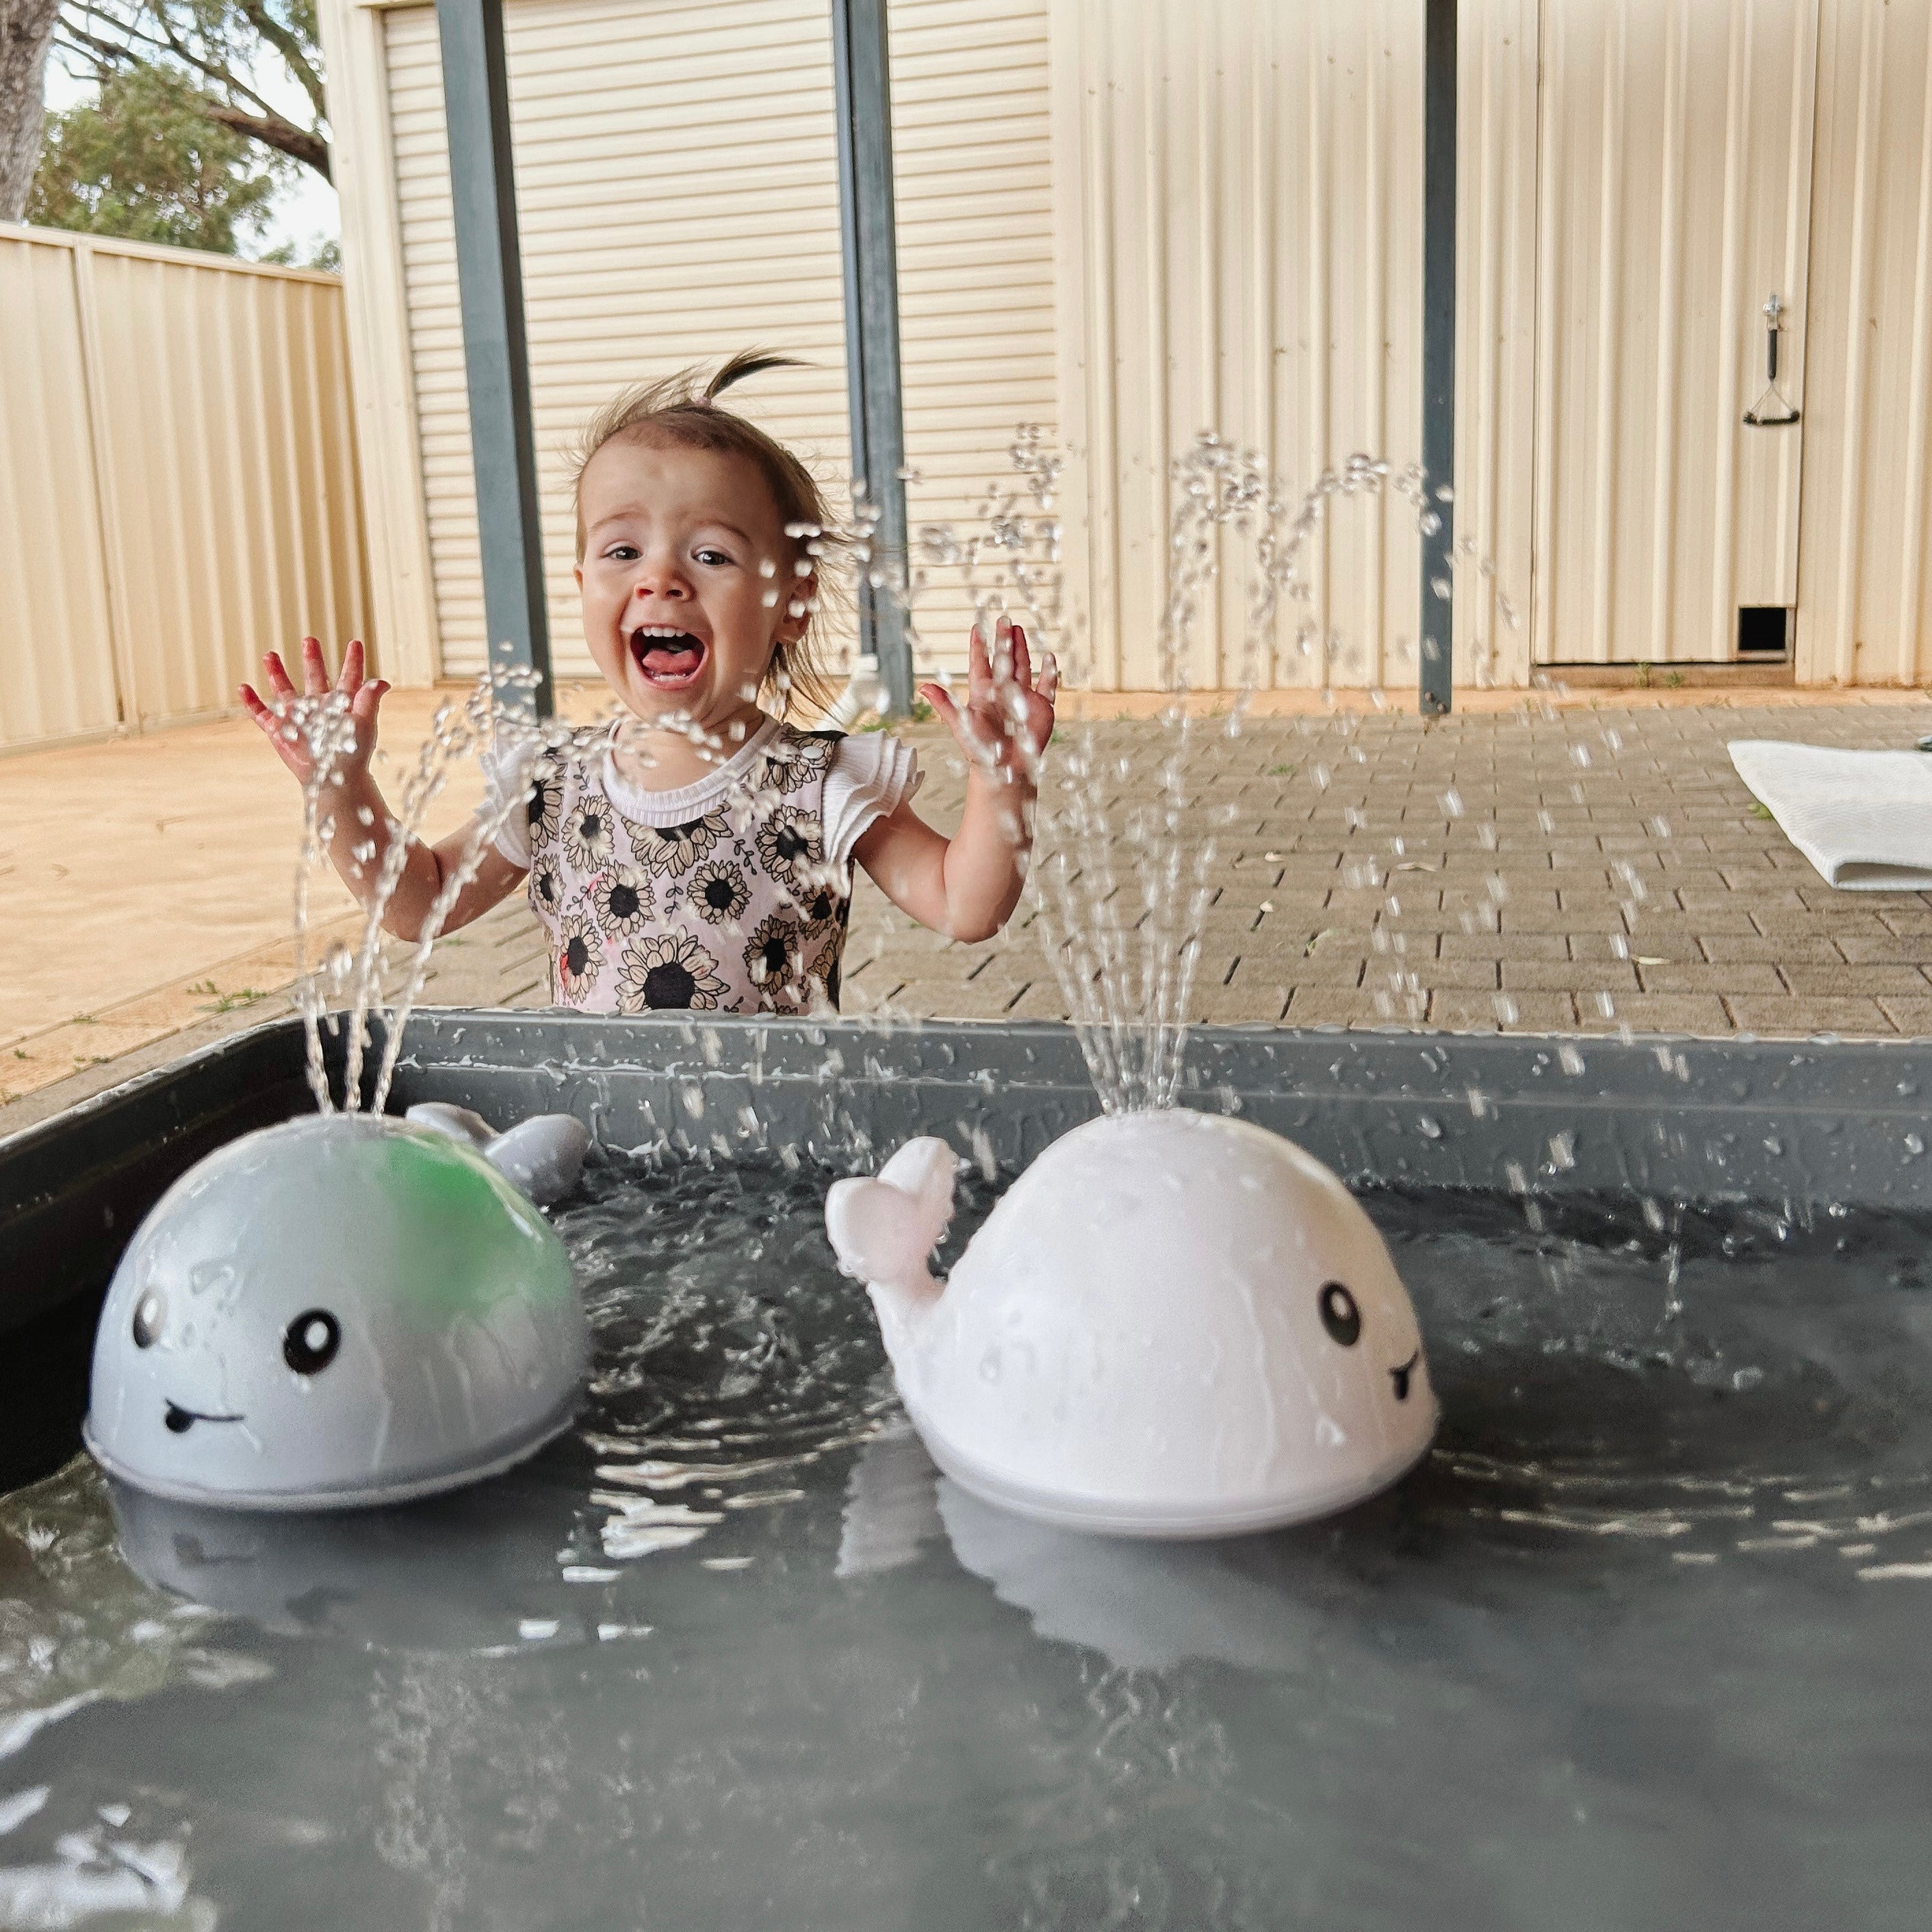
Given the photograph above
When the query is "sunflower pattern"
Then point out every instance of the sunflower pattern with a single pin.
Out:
(670, 971)
(823, 904)
(579, 955)
(544, 808)
(796, 759)
(667, 850)
(775, 958)
(822, 973)
(718, 892)
(788, 844)
(622, 900)
(546, 890)
(589, 827)
(737, 908)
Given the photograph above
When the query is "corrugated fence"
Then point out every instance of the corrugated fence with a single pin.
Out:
(177, 481)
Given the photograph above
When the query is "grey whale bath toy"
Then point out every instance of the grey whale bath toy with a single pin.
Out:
(345, 1309)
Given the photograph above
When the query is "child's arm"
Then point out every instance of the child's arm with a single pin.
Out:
(362, 825)
(967, 886)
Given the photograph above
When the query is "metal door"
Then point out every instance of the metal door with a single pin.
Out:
(1674, 194)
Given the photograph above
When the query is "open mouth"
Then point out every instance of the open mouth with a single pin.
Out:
(180, 1420)
(1400, 1376)
(671, 660)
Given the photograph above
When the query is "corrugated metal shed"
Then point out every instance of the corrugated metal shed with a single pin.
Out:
(1865, 561)
(678, 196)
(1132, 220)
(1241, 225)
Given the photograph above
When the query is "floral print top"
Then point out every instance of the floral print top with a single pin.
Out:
(729, 896)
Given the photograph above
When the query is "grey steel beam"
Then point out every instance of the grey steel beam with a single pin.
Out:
(864, 111)
(489, 274)
(1436, 655)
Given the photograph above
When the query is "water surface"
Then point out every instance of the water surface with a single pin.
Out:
(1642, 1644)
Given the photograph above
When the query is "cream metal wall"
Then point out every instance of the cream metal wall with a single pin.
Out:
(1680, 160)
(677, 193)
(1674, 159)
(1240, 196)
(178, 480)
(1133, 219)
(1865, 582)
(1495, 340)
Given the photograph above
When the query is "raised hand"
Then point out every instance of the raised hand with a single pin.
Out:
(364, 696)
(1007, 719)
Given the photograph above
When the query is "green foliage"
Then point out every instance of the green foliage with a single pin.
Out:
(922, 713)
(329, 257)
(145, 162)
(229, 53)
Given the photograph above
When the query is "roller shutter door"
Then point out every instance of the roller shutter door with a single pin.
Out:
(677, 190)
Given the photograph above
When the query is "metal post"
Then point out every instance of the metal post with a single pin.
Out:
(489, 273)
(872, 319)
(1436, 654)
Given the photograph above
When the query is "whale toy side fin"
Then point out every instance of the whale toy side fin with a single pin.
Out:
(543, 1156)
(458, 1122)
(884, 1230)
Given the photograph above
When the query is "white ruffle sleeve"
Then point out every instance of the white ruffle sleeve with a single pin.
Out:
(506, 773)
(872, 775)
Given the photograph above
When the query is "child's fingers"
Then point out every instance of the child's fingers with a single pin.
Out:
(363, 706)
(1048, 686)
(1003, 652)
(315, 669)
(279, 681)
(350, 681)
(269, 723)
(979, 666)
(1022, 660)
(940, 699)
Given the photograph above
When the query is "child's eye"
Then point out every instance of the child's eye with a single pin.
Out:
(709, 556)
(623, 553)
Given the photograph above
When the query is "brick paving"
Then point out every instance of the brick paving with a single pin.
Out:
(1566, 870)
(1559, 869)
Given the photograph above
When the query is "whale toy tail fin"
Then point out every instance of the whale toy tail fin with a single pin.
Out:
(883, 1232)
(543, 1156)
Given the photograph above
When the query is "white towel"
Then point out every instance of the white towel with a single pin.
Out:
(1863, 818)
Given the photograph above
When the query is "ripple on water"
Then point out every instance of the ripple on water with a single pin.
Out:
(1654, 1606)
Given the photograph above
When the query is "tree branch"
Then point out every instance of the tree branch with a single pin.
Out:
(272, 131)
(291, 50)
(148, 34)
(121, 53)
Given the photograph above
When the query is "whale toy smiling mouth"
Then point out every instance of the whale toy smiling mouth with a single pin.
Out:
(671, 659)
(179, 1420)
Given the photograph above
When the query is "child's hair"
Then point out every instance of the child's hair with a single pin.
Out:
(679, 411)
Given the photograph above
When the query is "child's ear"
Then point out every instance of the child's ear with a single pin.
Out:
(791, 629)
(577, 572)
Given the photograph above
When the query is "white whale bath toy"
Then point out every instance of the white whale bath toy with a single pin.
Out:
(1172, 1324)
(344, 1309)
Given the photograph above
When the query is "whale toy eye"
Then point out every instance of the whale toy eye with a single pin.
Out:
(151, 1315)
(309, 1342)
(1339, 1315)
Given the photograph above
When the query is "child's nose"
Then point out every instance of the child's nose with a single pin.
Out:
(658, 578)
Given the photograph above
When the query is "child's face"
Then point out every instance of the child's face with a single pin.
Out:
(674, 599)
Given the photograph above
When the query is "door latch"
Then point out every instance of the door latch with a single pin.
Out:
(1771, 410)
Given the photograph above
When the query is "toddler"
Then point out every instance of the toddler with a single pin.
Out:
(698, 853)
